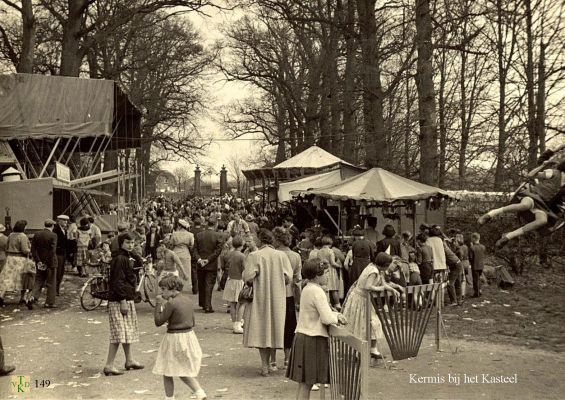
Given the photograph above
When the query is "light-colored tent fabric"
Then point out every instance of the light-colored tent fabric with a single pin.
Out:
(40, 106)
(310, 182)
(313, 157)
(378, 185)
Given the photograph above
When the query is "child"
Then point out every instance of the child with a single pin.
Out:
(327, 254)
(180, 354)
(309, 358)
(463, 254)
(104, 253)
(28, 283)
(83, 238)
(414, 270)
(477, 260)
(168, 262)
(235, 266)
(425, 259)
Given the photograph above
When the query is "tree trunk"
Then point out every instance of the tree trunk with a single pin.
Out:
(375, 138)
(293, 134)
(349, 129)
(26, 62)
(499, 175)
(531, 122)
(540, 117)
(426, 96)
(71, 57)
(407, 128)
(463, 117)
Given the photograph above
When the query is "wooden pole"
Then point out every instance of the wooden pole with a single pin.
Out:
(439, 304)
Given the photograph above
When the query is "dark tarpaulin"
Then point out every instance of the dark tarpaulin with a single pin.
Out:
(50, 107)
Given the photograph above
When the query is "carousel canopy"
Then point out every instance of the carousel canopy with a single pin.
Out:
(377, 185)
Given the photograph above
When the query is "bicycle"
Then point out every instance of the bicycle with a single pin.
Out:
(96, 288)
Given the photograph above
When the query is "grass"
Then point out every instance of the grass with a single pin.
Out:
(529, 314)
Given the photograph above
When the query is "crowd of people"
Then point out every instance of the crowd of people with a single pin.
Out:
(282, 287)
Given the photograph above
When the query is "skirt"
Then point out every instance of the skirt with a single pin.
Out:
(123, 329)
(11, 275)
(309, 360)
(355, 312)
(81, 256)
(289, 322)
(232, 289)
(333, 279)
(179, 355)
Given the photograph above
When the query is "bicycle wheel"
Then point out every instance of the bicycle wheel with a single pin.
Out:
(150, 288)
(87, 301)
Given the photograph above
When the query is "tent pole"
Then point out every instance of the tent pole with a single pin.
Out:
(46, 164)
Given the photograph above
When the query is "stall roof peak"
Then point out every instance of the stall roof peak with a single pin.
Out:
(313, 157)
(376, 184)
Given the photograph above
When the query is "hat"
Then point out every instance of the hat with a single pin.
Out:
(63, 216)
(184, 223)
(123, 226)
(2, 228)
(49, 222)
(249, 217)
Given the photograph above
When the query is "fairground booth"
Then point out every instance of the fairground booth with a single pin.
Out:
(61, 144)
(273, 184)
(378, 193)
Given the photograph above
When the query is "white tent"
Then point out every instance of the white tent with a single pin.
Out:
(310, 182)
(313, 157)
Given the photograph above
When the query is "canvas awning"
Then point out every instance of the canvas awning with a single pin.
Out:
(309, 182)
(378, 185)
(36, 106)
(312, 160)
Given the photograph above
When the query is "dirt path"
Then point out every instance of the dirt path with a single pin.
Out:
(68, 347)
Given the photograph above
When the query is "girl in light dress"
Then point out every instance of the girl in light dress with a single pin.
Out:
(179, 354)
(327, 254)
(371, 279)
(235, 266)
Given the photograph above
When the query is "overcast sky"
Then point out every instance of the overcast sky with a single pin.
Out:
(222, 94)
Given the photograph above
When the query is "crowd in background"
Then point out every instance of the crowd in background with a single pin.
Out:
(282, 286)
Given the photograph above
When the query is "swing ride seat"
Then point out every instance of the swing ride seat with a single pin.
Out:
(404, 320)
(349, 365)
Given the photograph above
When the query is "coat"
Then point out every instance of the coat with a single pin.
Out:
(265, 315)
(363, 252)
(208, 246)
(61, 240)
(44, 248)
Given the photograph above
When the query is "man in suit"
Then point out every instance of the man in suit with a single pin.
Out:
(61, 231)
(293, 230)
(207, 249)
(196, 229)
(44, 251)
(152, 240)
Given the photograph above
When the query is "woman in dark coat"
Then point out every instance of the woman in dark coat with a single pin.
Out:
(121, 306)
(390, 241)
(363, 252)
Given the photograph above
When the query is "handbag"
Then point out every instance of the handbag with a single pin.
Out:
(246, 294)
(29, 267)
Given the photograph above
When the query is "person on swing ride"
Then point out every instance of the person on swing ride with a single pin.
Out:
(539, 200)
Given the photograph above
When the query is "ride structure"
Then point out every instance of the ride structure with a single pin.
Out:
(72, 140)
